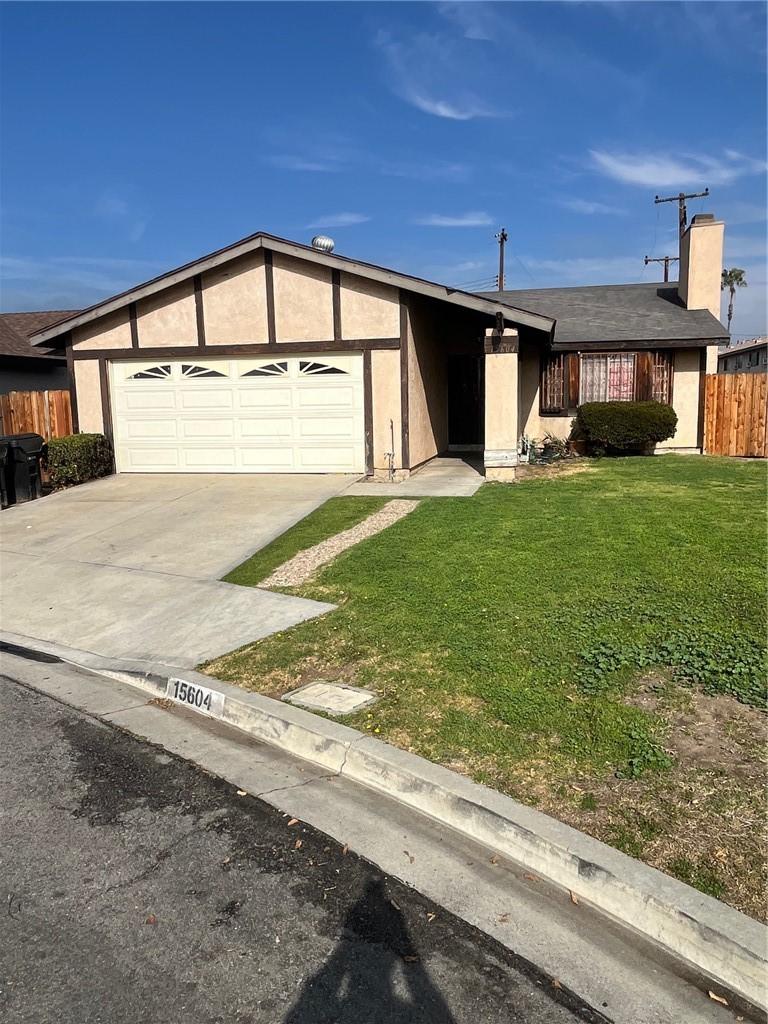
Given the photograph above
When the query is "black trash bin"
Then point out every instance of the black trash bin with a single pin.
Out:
(23, 479)
(4, 449)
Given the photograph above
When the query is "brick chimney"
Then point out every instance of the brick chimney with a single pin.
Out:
(701, 264)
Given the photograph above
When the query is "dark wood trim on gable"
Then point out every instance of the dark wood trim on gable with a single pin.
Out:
(106, 407)
(199, 314)
(336, 294)
(269, 277)
(72, 387)
(283, 347)
(368, 411)
(702, 399)
(134, 322)
(404, 406)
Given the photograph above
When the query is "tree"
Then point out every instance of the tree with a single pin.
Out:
(732, 279)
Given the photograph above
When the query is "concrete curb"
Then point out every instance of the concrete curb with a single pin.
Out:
(714, 939)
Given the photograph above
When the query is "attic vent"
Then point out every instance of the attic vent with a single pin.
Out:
(323, 243)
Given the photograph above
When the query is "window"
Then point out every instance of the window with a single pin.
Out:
(190, 370)
(268, 370)
(607, 378)
(307, 366)
(569, 379)
(151, 373)
(752, 358)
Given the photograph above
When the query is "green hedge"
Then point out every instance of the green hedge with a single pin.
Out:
(625, 426)
(77, 458)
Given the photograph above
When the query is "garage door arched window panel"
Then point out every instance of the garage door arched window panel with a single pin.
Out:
(193, 370)
(151, 373)
(309, 367)
(279, 369)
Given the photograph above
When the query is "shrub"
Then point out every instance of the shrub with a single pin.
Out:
(625, 426)
(77, 458)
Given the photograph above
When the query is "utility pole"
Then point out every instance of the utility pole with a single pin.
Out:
(501, 238)
(666, 260)
(680, 200)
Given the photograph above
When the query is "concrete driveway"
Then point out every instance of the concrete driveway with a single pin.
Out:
(128, 567)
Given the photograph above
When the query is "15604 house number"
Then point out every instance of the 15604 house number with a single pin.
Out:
(199, 698)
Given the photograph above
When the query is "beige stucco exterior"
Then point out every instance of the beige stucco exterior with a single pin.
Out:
(502, 402)
(701, 265)
(235, 302)
(427, 387)
(168, 319)
(385, 387)
(369, 309)
(88, 384)
(303, 300)
(111, 331)
(685, 400)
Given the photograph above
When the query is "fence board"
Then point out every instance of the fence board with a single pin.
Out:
(47, 413)
(736, 414)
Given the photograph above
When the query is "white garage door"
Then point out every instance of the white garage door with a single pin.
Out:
(297, 414)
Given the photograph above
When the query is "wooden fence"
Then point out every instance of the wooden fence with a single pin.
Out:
(47, 413)
(736, 414)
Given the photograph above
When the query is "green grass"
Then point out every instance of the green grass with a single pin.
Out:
(505, 633)
(335, 515)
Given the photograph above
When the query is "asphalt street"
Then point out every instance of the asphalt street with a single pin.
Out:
(134, 887)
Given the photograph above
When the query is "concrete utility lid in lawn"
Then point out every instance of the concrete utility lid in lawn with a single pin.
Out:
(333, 698)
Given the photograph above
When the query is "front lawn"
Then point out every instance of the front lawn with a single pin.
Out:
(592, 644)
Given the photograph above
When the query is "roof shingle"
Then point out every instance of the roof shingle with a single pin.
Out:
(617, 313)
(16, 328)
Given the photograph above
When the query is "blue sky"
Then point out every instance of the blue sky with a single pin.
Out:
(138, 136)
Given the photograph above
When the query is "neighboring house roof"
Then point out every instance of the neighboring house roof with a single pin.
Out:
(618, 313)
(490, 305)
(16, 328)
(743, 346)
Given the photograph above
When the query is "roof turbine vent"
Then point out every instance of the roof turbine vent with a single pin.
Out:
(323, 243)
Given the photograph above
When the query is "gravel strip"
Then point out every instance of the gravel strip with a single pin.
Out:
(299, 568)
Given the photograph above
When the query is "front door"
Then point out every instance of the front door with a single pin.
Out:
(466, 387)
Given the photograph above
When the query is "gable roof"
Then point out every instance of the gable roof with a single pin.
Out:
(16, 328)
(483, 304)
(618, 313)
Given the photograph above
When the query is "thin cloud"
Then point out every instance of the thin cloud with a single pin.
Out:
(286, 162)
(590, 208)
(476, 219)
(661, 170)
(425, 71)
(339, 220)
(433, 170)
(120, 212)
(68, 282)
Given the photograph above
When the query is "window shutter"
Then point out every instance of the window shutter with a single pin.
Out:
(643, 376)
(572, 380)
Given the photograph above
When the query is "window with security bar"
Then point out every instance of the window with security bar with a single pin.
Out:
(607, 378)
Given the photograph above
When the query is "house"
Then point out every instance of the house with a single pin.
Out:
(748, 357)
(272, 356)
(24, 366)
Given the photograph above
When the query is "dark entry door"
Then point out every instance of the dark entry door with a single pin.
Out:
(466, 386)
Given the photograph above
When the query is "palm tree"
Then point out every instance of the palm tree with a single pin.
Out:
(732, 279)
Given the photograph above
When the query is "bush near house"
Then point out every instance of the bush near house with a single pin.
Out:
(625, 426)
(77, 458)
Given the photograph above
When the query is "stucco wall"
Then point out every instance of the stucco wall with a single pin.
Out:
(701, 264)
(369, 309)
(303, 300)
(110, 331)
(235, 303)
(385, 387)
(88, 385)
(532, 423)
(427, 386)
(169, 318)
(685, 399)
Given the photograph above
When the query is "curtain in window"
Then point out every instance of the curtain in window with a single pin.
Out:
(607, 378)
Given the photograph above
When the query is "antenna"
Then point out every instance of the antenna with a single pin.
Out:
(501, 238)
(680, 200)
(666, 260)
